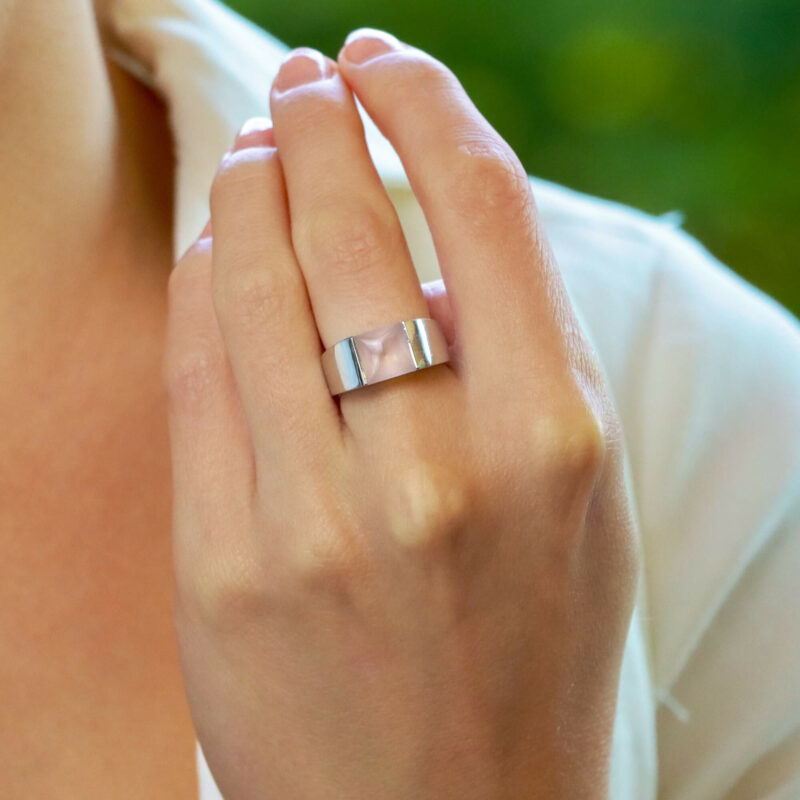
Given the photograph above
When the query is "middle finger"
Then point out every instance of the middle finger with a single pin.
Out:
(346, 234)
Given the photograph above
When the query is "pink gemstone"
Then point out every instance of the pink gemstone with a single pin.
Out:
(384, 353)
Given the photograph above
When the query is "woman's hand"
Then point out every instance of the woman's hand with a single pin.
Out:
(421, 588)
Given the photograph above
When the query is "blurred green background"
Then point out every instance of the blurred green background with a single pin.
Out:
(666, 105)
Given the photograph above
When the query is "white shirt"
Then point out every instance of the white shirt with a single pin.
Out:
(705, 371)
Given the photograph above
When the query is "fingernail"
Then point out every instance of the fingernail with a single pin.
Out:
(364, 44)
(255, 124)
(301, 66)
(255, 132)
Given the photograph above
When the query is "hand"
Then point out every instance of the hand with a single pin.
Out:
(421, 588)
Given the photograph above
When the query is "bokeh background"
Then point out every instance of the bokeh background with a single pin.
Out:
(667, 105)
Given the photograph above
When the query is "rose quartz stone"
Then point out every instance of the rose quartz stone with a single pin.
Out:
(384, 353)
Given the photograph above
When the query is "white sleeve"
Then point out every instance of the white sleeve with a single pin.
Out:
(716, 443)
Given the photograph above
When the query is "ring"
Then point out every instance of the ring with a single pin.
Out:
(384, 353)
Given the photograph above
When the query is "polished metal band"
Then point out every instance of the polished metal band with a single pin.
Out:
(384, 353)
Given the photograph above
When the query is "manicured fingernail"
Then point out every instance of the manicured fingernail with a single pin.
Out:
(255, 124)
(301, 66)
(364, 44)
(256, 132)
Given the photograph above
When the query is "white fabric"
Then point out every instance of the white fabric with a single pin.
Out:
(705, 370)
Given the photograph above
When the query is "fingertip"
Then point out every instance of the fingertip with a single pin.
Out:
(364, 44)
(255, 132)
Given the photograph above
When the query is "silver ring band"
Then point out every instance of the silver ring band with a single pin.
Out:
(384, 353)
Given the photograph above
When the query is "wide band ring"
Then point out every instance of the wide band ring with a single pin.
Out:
(384, 353)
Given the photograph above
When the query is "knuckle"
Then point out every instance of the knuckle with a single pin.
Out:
(250, 292)
(224, 593)
(347, 239)
(192, 358)
(331, 547)
(571, 445)
(428, 505)
(189, 374)
(318, 559)
(488, 182)
(327, 556)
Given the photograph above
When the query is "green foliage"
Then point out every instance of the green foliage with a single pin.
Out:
(665, 105)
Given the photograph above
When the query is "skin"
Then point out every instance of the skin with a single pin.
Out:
(87, 641)
(87, 636)
(420, 589)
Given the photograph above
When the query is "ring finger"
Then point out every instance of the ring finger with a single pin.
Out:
(345, 231)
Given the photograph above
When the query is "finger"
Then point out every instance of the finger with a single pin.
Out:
(345, 231)
(266, 321)
(255, 132)
(212, 460)
(476, 198)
